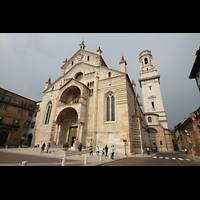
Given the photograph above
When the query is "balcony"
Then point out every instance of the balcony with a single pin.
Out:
(9, 126)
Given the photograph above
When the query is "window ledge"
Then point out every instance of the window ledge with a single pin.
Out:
(110, 122)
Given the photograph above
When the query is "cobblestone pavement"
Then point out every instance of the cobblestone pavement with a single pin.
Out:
(15, 157)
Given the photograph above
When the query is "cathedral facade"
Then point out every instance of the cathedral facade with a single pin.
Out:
(92, 104)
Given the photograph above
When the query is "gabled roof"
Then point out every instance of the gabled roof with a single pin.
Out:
(83, 50)
(71, 79)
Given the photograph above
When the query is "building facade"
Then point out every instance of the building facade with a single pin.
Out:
(188, 134)
(16, 124)
(92, 104)
(195, 72)
(155, 117)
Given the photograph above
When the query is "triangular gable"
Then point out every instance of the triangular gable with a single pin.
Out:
(70, 80)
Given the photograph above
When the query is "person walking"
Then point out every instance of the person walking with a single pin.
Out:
(42, 148)
(97, 151)
(91, 151)
(112, 152)
(106, 149)
(103, 152)
(79, 149)
(148, 150)
(186, 151)
(48, 147)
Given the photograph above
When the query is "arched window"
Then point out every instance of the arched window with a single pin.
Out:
(48, 113)
(153, 105)
(110, 108)
(151, 130)
(109, 74)
(149, 119)
(146, 61)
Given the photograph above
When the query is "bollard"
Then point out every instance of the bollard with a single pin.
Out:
(63, 162)
(24, 163)
(85, 160)
(100, 158)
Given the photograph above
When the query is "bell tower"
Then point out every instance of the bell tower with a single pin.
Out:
(150, 84)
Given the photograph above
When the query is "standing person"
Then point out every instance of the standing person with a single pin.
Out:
(185, 151)
(148, 150)
(112, 152)
(103, 152)
(48, 147)
(42, 148)
(91, 151)
(79, 149)
(97, 151)
(106, 149)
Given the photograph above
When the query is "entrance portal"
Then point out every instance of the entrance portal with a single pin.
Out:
(30, 139)
(3, 138)
(72, 135)
(68, 125)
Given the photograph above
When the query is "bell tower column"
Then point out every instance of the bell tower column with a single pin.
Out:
(150, 84)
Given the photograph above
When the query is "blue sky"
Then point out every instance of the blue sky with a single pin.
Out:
(27, 60)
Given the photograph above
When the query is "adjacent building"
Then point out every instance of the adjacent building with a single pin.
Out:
(188, 132)
(16, 124)
(195, 72)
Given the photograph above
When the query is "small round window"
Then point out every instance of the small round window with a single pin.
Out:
(79, 76)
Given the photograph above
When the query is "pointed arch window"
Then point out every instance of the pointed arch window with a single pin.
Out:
(48, 113)
(110, 108)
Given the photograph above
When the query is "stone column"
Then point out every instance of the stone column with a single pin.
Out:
(58, 135)
(81, 132)
(95, 94)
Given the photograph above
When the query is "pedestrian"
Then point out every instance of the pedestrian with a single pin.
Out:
(103, 152)
(97, 151)
(106, 149)
(186, 151)
(79, 149)
(148, 150)
(112, 152)
(91, 151)
(42, 148)
(48, 147)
